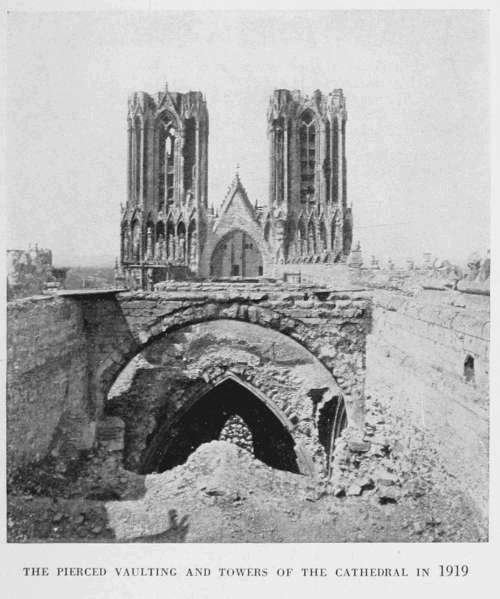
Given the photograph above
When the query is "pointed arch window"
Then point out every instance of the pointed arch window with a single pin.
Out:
(166, 139)
(137, 157)
(307, 137)
(280, 158)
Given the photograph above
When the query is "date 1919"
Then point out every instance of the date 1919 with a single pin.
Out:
(453, 570)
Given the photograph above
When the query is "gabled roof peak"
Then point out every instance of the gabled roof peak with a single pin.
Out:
(236, 187)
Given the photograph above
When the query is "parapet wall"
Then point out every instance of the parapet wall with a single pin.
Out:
(416, 366)
(46, 377)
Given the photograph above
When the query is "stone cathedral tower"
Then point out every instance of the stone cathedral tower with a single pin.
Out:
(308, 219)
(163, 225)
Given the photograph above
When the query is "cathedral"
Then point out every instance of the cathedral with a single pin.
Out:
(168, 230)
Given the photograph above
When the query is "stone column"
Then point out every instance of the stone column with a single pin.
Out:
(132, 163)
(332, 199)
(278, 164)
(243, 256)
(179, 167)
(196, 182)
(129, 162)
(271, 166)
(285, 162)
(340, 192)
(141, 165)
(317, 163)
(149, 141)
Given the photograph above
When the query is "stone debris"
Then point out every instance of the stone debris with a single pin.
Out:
(218, 472)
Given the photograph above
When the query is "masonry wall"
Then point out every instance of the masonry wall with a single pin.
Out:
(46, 379)
(333, 328)
(332, 276)
(187, 364)
(415, 367)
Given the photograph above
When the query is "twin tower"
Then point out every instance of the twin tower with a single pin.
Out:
(168, 230)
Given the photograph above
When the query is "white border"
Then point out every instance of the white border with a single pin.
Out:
(480, 557)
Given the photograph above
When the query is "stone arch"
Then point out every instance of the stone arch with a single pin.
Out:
(165, 115)
(308, 142)
(115, 361)
(274, 444)
(172, 371)
(168, 130)
(237, 253)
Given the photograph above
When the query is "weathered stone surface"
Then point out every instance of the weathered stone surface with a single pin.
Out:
(102, 334)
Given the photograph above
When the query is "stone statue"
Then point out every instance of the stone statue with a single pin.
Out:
(161, 248)
(149, 277)
(126, 244)
(193, 249)
(136, 245)
(279, 237)
(149, 244)
(171, 247)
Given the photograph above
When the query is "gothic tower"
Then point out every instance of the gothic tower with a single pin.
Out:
(163, 225)
(308, 219)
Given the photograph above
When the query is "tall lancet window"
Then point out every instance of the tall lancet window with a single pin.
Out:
(166, 139)
(137, 158)
(307, 133)
(280, 157)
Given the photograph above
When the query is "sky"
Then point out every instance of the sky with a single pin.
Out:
(417, 90)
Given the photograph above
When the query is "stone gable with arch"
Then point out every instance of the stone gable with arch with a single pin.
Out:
(235, 245)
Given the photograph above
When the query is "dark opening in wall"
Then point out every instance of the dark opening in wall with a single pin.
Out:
(331, 422)
(469, 369)
(189, 152)
(207, 419)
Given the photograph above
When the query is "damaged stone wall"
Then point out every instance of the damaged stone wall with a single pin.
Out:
(66, 352)
(184, 366)
(46, 379)
(417, 358)
(332, 327)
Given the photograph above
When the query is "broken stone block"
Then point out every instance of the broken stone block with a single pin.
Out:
(354, 490)
(385, 479)
(359, 446)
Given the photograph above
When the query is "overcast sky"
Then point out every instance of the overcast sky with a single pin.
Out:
(417, 94)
